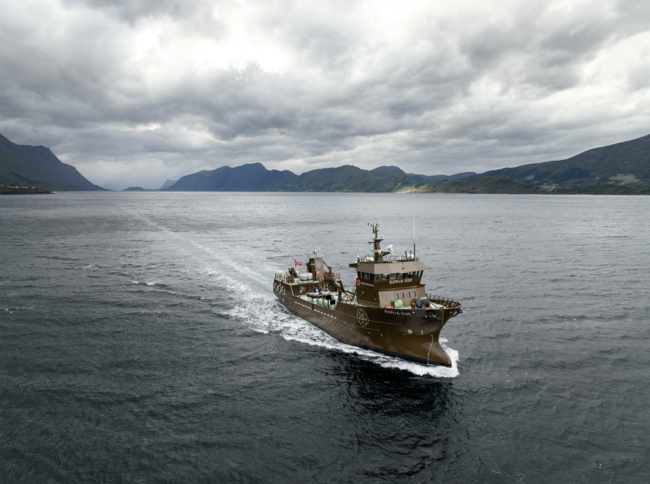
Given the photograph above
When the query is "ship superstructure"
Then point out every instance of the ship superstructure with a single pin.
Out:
(387, 311)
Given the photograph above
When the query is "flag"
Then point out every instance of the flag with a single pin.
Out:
(297, 263)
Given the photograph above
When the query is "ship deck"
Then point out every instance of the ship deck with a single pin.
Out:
(333, 303)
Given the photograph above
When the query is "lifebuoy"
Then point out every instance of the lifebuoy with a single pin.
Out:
(338, 276)
(322, 279)
(350, 297)
(358, 282)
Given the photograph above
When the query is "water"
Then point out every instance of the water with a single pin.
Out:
(140, 341)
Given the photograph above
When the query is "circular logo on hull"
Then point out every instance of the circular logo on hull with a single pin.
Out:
(362, 317)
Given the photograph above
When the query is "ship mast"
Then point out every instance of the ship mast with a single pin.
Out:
(377, 242)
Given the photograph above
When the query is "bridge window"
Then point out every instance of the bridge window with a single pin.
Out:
(377, 277)
(393, 276)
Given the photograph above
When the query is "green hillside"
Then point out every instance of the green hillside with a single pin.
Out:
(345, 179)
(253, 177)
(605, 190)
(21, 190)
(37, 166)
(490, 184)
(626, 163)
(504, 185)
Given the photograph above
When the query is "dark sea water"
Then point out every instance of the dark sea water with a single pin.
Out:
(140, 341)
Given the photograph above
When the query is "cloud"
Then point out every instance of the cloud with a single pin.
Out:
(135, 92)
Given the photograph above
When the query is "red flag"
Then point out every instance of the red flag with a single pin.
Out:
(298, 263)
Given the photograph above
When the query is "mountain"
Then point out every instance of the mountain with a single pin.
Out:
(246, 178)
(439, 178)
(621, 163)
(489, 184)
(391, 170)
(168, 184)
(345, 179)
(417, 179)
(503, 184)
(38, 167)
(255, 177)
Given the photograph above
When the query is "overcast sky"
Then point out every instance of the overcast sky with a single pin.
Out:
(132, 92)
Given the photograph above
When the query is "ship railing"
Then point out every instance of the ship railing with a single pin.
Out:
(327, 277)
(446, 302)
(389, 258)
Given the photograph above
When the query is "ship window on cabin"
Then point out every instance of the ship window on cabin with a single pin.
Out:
(377, 277)
(409, 293)
(396, 296)
(393, 276)
(384, 277)
(410, 274)
(402, 295)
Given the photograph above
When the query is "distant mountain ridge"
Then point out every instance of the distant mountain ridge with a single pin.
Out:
(37, 166)
(345, 178)
(253, 177)
(391, 170)
(621, 163)
(417, 179)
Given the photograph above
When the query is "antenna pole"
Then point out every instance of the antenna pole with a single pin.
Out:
(413, 198)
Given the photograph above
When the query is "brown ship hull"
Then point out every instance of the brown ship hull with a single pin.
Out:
(409, 334)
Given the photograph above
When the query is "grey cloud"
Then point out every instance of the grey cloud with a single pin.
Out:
(454, 91)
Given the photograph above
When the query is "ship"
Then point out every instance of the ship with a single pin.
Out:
(387, 311)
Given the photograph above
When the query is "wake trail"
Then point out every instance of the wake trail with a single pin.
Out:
(262, 312)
